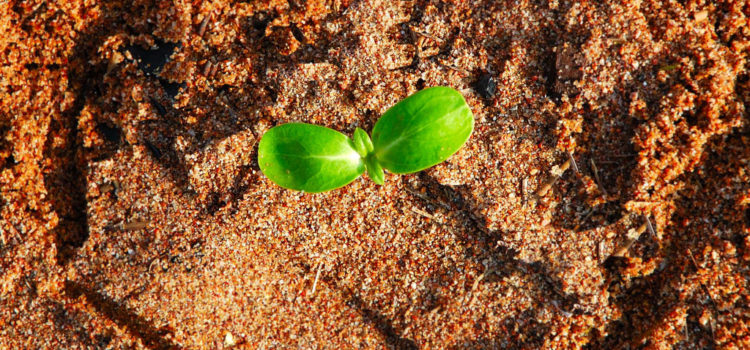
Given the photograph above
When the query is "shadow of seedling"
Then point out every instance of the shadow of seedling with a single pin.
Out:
(481, 245)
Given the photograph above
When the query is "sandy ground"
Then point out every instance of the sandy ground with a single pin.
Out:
(602, 202)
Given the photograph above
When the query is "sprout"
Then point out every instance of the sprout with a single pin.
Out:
(420, 131)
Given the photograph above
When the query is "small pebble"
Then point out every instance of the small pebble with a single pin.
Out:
(486, 86)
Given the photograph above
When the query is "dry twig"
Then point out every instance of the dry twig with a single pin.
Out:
(426, 35)
(134, 225)
(631, 239)
(596, 176)
(204, 24)
(573, 162)
(315, 282)
(551, 181)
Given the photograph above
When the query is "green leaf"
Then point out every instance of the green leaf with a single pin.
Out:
(422, 130)
(308, 157)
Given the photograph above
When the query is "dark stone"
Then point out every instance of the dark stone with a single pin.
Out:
(486, 86)
(420, 84)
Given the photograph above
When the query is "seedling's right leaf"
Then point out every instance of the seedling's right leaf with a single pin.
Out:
(422, 130)
(308, 157)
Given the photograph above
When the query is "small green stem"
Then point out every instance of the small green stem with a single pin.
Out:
(374, 170)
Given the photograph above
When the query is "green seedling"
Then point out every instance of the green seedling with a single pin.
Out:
(420, 131)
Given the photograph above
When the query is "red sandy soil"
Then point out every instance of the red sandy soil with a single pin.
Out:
(602, 202)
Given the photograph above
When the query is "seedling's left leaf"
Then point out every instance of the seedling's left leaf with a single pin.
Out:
(308, 157)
